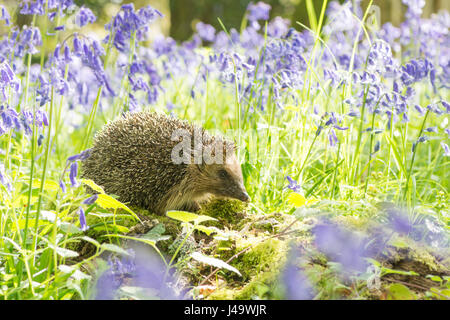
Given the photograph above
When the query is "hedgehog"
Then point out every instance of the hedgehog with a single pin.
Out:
(160, 163)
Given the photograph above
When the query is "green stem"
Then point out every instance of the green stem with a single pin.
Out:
(414, 155)
(358, 143)
(370, 153)
(44, 169)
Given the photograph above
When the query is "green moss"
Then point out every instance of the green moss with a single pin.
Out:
(260, 267)
(227, 211)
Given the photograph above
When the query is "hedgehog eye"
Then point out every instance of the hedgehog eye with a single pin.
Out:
(223, 174)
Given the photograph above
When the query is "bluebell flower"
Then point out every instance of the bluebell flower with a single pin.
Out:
(8, 80)
(341, 245)
(91, 199)
(293, 185)
(73, 174)
(142, 269)
(33, 7)
(206, 31)
(62, 185)
(415, 8)
(258, 11)
(29, 39)
(82, 218)
(5, 15)
(446, 149)
(431, 129)
(377, 147)
(278, 27)
(85, 16)
(332, 138)
(446, 106)
(415, 70)
(399, 220)
(297, 286)
(128, 21)
(9, 119)
(420, 109)
(447, 131)
(81, 156)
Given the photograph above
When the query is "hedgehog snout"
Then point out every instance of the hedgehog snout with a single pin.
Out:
(241, 194)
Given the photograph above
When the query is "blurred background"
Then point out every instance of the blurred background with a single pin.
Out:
(180, 16)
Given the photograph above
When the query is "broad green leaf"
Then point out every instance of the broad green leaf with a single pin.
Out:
(74, 272)
(205, 229)
(69, 228)
(182, 216)
(90, 240)
(398, 291)
(156, 233)
(214, 262)
(185, 216)
(108, 202)
(63, 252)
(93, 185)
(113, 248)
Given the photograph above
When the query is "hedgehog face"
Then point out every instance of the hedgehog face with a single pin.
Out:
(225, 180)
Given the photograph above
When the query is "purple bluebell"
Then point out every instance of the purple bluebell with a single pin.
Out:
(8, 80)
(297, 286)
(293, 184)
(420, 109)
(91, 199)
(431, 129)
(447, 131)
(446, 105)
(127, 22)
(29, 39)
(85, 16)
(5, 15)
(446, 149)
(258, 11)
(377, 147)
(332, 138)
(142, 269)
(82, 218)
(10, 119)
(62, 185)
(81, 156)
(399, 220)
(73, 174)
(205, 31)
(33, 7)
(341, 245)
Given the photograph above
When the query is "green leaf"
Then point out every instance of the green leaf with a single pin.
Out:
(93, 186)
(214, 262)
(108, 202)
(74, 272)
(185, 216)
(63, 252)
(205, 229)
(398, 291)
(156, 233)
(69, 228)
(113, 248)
